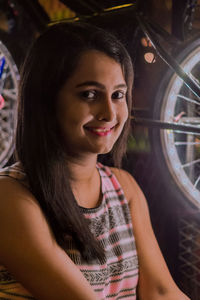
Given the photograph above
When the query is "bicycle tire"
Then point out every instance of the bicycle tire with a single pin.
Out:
(9, 77)
(173, 150)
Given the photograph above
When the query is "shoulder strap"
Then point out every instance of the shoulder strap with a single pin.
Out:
(15, 171)
(107, 172)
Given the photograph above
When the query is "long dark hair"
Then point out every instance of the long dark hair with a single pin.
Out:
(49, 63)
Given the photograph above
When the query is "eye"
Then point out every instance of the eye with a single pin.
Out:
(89, 95)
(118, 95)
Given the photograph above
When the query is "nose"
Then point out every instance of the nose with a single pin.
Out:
(106, 111)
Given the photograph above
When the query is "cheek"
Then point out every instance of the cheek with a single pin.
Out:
(67, 113)
(124, 113)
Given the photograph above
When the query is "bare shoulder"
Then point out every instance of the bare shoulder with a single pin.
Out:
(20, 217)
(123, 176)
(15, 198)
(13, 195)
(128, 184)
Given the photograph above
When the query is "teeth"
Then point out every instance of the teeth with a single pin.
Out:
(100, 130)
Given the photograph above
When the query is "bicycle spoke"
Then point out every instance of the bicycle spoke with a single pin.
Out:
(197, 181)
(188, 99)
(10, 93)
(186, 143)
(191, 120)
(185, 132)
(191, 163)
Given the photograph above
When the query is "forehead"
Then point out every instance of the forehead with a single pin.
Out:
(95, 65)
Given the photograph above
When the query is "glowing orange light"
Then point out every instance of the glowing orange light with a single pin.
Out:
(150, 57)
(146, 42)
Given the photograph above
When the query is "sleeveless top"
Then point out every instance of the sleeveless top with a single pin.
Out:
(110, 222)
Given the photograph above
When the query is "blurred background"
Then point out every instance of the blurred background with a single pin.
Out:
(163, 39)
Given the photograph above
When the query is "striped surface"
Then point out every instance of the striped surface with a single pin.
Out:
(114, 278)
(10, 288)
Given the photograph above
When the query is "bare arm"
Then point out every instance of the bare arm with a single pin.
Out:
(155, 281)
(29, 251)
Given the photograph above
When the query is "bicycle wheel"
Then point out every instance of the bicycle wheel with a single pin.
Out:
(9, 77)
(178, 153)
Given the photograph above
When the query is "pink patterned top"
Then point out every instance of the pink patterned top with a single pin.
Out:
(117, 276)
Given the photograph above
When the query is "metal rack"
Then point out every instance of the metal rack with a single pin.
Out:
(189, 255)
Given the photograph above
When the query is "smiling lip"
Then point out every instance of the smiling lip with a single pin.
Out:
(100, 131)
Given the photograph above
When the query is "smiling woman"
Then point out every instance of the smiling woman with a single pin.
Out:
(91, 106)
(71, 228)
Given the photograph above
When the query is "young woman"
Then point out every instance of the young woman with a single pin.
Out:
(71, 228)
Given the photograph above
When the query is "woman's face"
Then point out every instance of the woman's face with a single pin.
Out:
(91, 105)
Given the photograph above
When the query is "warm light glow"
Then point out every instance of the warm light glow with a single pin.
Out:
(146, 42)
(150, 57)
(56, 10)
(118, 7)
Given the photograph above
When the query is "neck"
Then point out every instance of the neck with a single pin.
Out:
(85, 181)
(81, 170)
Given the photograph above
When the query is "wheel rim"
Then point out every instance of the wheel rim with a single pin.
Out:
(9, 77)
(182, 149)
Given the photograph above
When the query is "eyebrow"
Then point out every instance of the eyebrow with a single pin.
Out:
(99, 85)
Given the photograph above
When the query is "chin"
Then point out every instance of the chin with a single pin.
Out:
(105, 150)
(101, 148)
